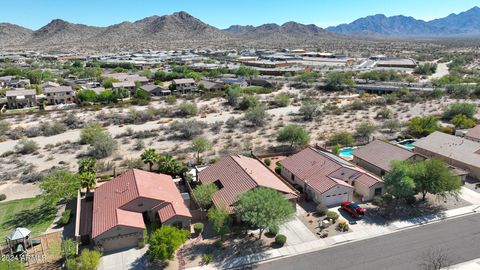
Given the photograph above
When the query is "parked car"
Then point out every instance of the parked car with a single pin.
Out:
(353, 209)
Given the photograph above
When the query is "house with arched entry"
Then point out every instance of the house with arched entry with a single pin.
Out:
(124, 205)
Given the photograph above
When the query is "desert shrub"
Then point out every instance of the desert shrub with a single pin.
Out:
(321, 209)
(103, 146)
(207, 258)
(171, 99)
(187, 109)
(3, 197)
(231, 122)
(198, 228)
(65, 218)
(333, 216)
(467, 109)
(342, 138)
(89, 132)
(280, 239)
(218, 244)
(282, 100)
(343, 226)
(187, 129)
(138, 145)
(309, 109)
(248, 101)
(256, 115)
(26, 147)
(267, 161)
(278, 168)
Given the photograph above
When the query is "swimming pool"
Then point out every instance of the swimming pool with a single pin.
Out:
(347, 152)
(407, 144)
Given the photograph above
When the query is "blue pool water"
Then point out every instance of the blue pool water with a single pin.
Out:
(347, 152)
(407, 144)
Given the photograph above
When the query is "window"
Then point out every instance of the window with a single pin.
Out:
(293, 177)
(218, 184)
(378, 191)
(177, 224)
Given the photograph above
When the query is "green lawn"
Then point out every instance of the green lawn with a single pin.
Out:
(29, 213)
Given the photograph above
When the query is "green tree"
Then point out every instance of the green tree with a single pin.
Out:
(204, 193)
(364, 130)
(165, 241)
(392, 125)
(86, 95)
(200, 145)
(342, 138)
(87, 165)
(293, 134)
(399, 182)
(60, 184)
(263, 208)
(336, 149)
(90, 132)
(339, 81)
(463, 122)
(150, 157)
(103, 146)
(233, 95)
(168, 165)
(421, 126)
(88, 260)
(467, 109)
(435, 177)
(220, 220)
(244, 71)
(88, 180)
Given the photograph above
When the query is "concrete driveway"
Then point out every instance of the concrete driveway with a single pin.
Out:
(296, 232)
(124, 259)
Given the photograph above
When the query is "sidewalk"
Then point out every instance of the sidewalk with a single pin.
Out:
(470, 265)
(320, 244)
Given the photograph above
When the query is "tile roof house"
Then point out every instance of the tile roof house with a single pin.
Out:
(130, 85)
(211, 86)
(121, 206)
(376, 157)
(456, 151)
(237, 174)
(185, 85)
(473, 134)
(156, 90)
(21, 98)
(328, 179)
(59, 94)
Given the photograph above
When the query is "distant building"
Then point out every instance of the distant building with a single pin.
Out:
(21, 98)
(130, 85)
(59, 95)
(210, 86)
(397, 63)
(18, 83)
(156, 90)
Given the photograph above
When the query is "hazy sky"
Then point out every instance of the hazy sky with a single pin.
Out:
(223, 13)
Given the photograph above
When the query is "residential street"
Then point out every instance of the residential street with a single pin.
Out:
(460, 237)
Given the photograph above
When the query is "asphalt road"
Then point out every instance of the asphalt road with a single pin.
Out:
(458, 239)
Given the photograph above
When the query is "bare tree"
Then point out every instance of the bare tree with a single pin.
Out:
(434, 259)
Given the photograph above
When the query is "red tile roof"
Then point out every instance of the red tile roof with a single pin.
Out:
(239, 174)
(474, 133)
(323, 171)
(380, 154)
(110, 197)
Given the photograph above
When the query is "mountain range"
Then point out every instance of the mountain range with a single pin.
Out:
(181, 30)
(464, 24)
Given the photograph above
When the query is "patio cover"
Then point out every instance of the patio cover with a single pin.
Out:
(19, 233)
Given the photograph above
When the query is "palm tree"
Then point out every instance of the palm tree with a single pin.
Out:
(149, 156)
(88, 180)
(168, 165)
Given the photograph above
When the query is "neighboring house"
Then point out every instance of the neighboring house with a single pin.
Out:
(456, 151)
(185, 85)
(156, 90)
(473, 134)
(21, 98)
(377, 156)
(125, 77)
(261, 83)
(59, 95)
(239, 82)
(5, 79)
(122, 205)
(236, 174)
(49, 84)
(18, 83)
(130, 85)
(209, 86)
(327, 179)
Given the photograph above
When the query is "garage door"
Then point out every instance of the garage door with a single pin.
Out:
(335, 199)
(120, 242)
